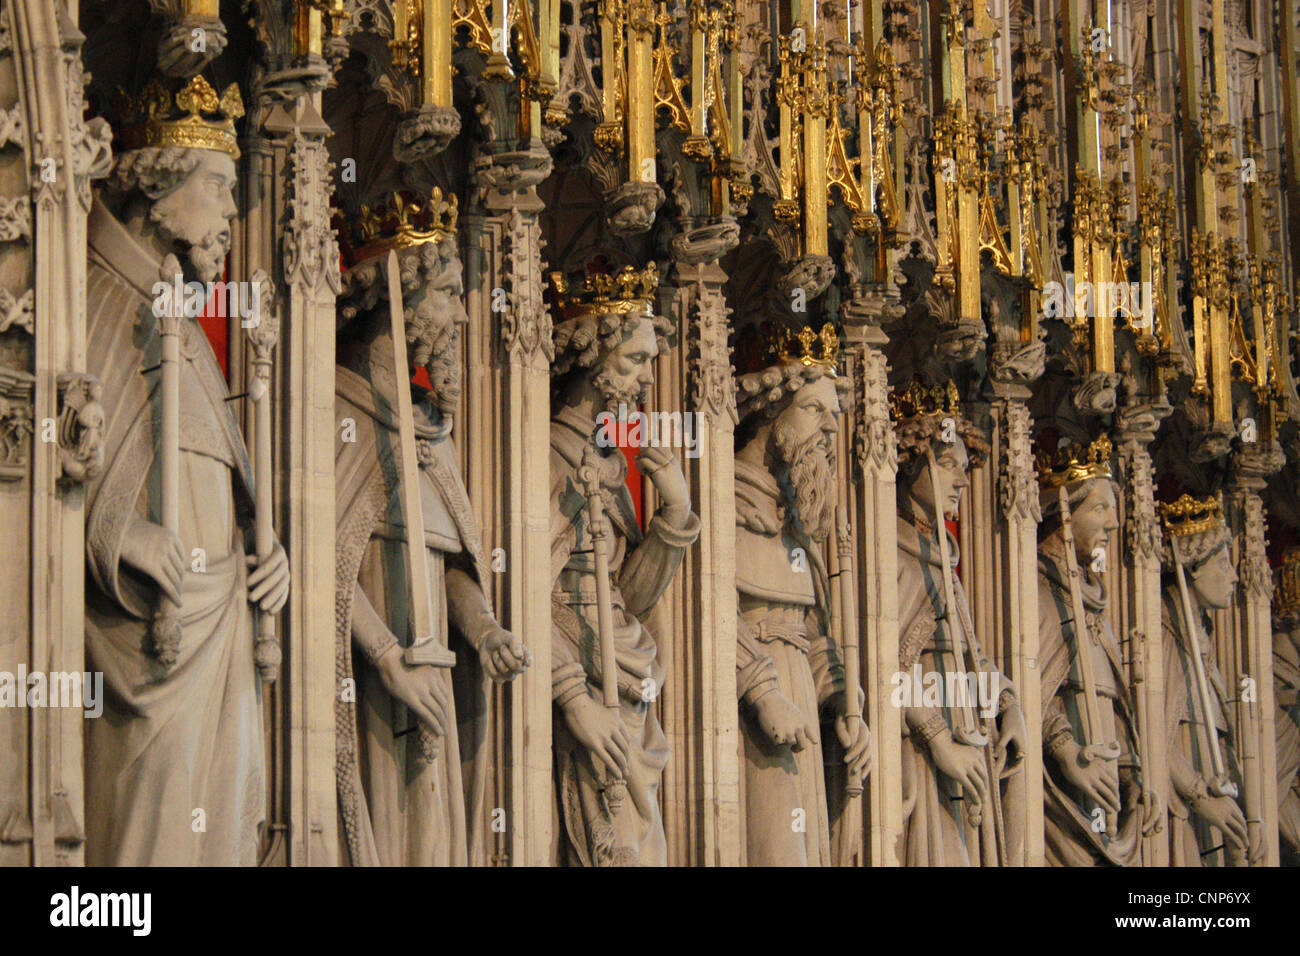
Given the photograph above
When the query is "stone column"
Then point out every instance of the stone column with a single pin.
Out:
(1141, 629)
(506, 271)
(1018, 606)
(306, 437)
(701, 712)
(875, 520)
(43, 313)
(1252, 689)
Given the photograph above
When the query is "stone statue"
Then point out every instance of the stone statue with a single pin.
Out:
(1286, 681)
(174, 768)
(1097, 808)
(966, 738)
(1207, 824)
(789, 667)
(609, 760)
(399, 804)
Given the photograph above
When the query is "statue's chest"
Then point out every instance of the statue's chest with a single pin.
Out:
(776, 566)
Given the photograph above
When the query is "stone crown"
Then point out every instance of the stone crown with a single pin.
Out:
(918, 400)
(1075, 462)
(198, 118)
(405, 219)
(1189, 515)
(807, 346)
(625, 291)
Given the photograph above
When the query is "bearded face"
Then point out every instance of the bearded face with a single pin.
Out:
(627, 371)
(433, 328)
(803, 440)
(195, 216)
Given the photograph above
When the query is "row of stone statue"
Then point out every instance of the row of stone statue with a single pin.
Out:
(183, 727)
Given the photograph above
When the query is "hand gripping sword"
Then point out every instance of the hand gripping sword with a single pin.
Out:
(589, 477)
(164, 637)
(1222, 785)
(1083, 657)
(263, 333)
(852, 675)
(423, 649)
(967, 730)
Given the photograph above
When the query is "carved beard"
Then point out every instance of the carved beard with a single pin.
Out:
(444, 376)
(615, 393)
(207, 253)
(810, 466)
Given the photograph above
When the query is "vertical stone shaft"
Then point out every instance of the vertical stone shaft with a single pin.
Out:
(307, 437)
(876, 523)
(704, 652)
(1143, 635)
(514, 266)
(1018, 569)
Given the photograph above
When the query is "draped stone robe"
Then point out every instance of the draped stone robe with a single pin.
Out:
(1286, 681)
(935, 831)
(589, 831)
(397, 808)
(1070, 836)
(784, 645)
(1189, 837)
(174, 766)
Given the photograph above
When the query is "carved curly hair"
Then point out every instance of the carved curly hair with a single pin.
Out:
(919, 433)
(365, 285)
(1193, 549)
(762, 396)
(580, 342)
(155, 171)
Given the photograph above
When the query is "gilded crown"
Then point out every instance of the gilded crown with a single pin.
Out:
(1286, 579)
(920, 400)
(1190, 515)
(807, 346)
(1073, 463)
(197, 119)
(628, 290)
(405, 219)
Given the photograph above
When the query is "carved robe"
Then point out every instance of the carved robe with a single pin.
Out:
(1286, 681)
(591, 831)
(397, 808)
(170, 745)
(1071, 839)
(783, 645)
(1187, 742)
(935, 831)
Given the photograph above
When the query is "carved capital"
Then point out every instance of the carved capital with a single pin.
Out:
(526, 322)
(875, 442)
(1142, 529)
(80, 427)
(17, 423)
(189, 43)
(713, 387)
(1018, 480)
(311, 252)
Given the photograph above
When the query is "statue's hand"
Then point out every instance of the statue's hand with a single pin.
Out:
(1012, 734)
(600, 730)
(963, 763)
(665, 472)
(783, 723)
(503, 655)
(268, 582)
(1223, 812)
(154, 551)
(419, 687)
(857, 746)
(1098, 780)
(1152, 809)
